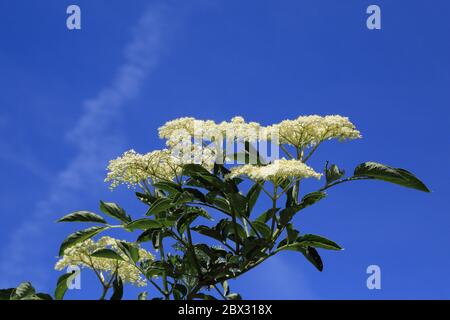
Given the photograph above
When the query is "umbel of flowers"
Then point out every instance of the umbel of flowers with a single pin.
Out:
(203, 226)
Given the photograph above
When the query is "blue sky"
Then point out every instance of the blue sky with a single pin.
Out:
(72, 100)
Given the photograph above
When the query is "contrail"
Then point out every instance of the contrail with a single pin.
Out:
(23, 255)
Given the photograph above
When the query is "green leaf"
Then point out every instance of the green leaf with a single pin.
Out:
(292, 234)
(169, 186)
(61, 286)
(333, 173)
(180, 291)
(262, 228)
(118, 289)
(43, 296)
(238, 203)
(206, 231)
(188, 217)
(113, 210)
(229, 231)
(252, 247)
(287, 214)
(131, 250)
(252, 197)
(82, 216)
(311, 240)
(398, 176)
(107, 254)
(195, 169)
(23, 291)
(145, 198)
(310, 253)
(220, 203)
(200, 177)
(311, 198)
(80, 236)
(291, 199)
(313, 256)
(196, 194)
(160, 205)
(6, 294)
(142, 224)
(148, 235)
(267, 215)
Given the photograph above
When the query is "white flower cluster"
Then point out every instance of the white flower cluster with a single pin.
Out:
(201, 141)
(132, 168)
(308, 131)
(80, 255)
(186, 129)
(277, 171)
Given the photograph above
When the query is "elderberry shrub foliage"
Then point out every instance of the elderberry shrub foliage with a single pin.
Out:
(201, 226)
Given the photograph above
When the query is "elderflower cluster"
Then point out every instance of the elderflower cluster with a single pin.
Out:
(238, 129)
(80, 255)
(311, 130)
(277, 171)
(132, 168)
(186, 129)
(202, 142)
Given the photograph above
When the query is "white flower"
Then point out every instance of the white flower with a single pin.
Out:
(132, 168)
(186, 129)
(277, 171)
(80, 255)
(310, 130)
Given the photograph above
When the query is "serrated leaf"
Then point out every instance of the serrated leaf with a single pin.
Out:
(206, 231)
(311, 240)
(160, 205)
(386, 173)
(82, 216)
(24, 290)
(142, 224)
(262, 228)
(113, 210)
(311, 198)
(333, 173)
(131, 250)
(169, 186)
(79, 236)
(187, 218)
(145, 198)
